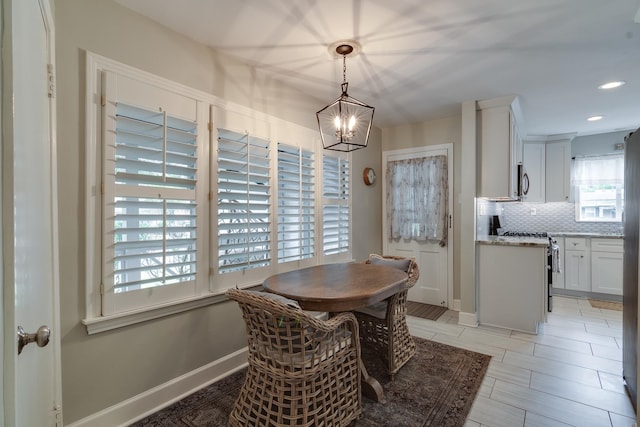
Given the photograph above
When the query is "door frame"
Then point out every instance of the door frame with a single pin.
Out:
(417, 152)
(8, 344)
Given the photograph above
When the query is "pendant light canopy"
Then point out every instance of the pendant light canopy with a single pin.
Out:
(345, 123)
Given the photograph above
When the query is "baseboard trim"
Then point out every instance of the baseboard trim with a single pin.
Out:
(150, 401)
(468, 319)
(457, 305)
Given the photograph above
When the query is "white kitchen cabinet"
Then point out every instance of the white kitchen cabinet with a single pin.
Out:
(558, 170)
(534, 166)
(512, 286)
(499, 147)
(606, 266)
(576, 261)
(557, 279)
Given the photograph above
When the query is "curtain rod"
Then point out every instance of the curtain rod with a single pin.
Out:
(582, 156)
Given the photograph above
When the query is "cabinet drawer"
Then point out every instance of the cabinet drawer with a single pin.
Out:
(575, 244)
(606, 245)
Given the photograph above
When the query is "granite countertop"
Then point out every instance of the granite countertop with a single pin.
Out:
(579, 234)
(514, 241)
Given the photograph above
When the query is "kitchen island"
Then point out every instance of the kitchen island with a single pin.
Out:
(512, 282)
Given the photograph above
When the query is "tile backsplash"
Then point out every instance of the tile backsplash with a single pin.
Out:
(558, 217)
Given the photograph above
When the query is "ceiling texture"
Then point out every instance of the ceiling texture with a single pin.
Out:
(421, 59)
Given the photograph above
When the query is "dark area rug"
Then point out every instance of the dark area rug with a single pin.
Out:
(435, 388)
(426, 311)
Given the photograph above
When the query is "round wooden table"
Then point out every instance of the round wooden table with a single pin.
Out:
(340, 287)
(337, 287)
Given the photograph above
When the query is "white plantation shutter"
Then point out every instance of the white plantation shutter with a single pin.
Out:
(244, 239)
(154, 204)
(336, 205)
(296, 206)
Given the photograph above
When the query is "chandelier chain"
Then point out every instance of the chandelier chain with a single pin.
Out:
(344, 68)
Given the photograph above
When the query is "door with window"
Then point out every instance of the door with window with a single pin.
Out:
(417, 217)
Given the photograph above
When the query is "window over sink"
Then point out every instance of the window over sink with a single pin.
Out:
(598, 183)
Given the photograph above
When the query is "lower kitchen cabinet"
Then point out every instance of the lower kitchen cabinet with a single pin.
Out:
(576, 261)
(606, 266)
(512, 286)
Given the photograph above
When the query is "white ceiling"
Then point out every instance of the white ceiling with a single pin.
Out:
(421, 59)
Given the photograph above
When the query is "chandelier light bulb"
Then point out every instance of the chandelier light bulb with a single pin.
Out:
(345, 128)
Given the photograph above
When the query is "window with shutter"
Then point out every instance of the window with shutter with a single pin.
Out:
(296, 204)
(244, 228)
(151, 206)
(336, 207)
(155, 244)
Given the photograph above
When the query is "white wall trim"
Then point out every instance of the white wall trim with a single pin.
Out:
(152, 400)
(457, 305)
(468, 319)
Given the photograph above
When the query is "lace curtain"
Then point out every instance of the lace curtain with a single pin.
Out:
(417, 193)
(599, 170)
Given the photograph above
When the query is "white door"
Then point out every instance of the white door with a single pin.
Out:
(435, 284)
(31, 379)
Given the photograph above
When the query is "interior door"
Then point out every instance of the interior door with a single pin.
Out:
(435, 284)
(31, 379)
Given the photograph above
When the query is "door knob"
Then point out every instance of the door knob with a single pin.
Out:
(41, 337)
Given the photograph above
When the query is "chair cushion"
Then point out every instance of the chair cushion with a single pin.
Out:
(400, 264)
(278, 298)
(377, 310)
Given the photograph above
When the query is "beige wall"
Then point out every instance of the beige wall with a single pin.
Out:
(434, 132)
(367, 200)
(105, 369)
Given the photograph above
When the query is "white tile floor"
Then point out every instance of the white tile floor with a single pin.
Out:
(570, 374)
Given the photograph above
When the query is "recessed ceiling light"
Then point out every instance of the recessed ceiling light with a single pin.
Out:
(611, 85)
(594, 118)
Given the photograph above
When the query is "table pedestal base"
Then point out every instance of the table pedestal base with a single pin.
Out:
(371, 388)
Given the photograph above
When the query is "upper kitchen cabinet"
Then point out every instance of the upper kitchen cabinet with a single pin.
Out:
(499, 148)
(534, 166)
(558, 168)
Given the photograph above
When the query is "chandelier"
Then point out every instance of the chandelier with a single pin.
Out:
(345, 123)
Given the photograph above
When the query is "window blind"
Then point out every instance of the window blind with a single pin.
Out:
(296, 210)
(335, 210)
(154, 206)
(244, 228)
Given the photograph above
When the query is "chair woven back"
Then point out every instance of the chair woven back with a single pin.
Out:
(413, 271)
(303, 371)
(390, 333)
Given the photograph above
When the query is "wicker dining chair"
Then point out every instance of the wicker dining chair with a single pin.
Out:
(303, 371)
(384, 324)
